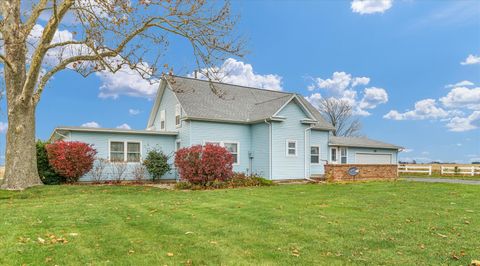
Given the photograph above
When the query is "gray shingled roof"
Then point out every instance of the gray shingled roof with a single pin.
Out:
(360, 142)
(237, 104)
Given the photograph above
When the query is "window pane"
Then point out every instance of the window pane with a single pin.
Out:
(116, 146)
(133, 147)
(133, 157)
(235, 158)
(291, 151)
(315, 159)
(343, 151)
(344, 160)
(314, 150)
(231, 147)
(334, 154)
(116, 157)
(291, 144)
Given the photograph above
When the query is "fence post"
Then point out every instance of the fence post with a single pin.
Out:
(441, 170)
(430, 170)
(473, 170)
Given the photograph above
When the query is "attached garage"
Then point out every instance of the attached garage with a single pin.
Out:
(373, 158)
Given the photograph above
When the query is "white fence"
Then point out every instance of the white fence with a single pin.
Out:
(415, 169)
(460, 170)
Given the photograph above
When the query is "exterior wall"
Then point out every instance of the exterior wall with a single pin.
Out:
(283, 166)
(339, 172)
(319, 138)
(167, 103)
(260, 136)
(213, 131)
(101, 142)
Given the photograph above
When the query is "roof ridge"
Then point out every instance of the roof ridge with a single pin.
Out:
(231, 84)
(290, 95)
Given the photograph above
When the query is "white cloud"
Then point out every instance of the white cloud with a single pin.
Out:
(462, 97)
(460, 124)
(91, 124)
(463, 83)
(407, 150)
(471, 60)
(133, 111)
(3, 127)
(343, 86)
(424, 109)
(370, 6)
(126, 81)
(124, 126)
(314, 98)
(240, 73)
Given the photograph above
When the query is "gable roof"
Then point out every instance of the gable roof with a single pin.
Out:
(237, 104)
(361, 142)
(65, 129)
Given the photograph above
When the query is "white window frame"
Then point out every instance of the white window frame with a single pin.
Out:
(178, 112)
(318, 147)
(346, 155)
(162, 119)
(222, 144)
(125, 150)
(336, 155)
(287, 148)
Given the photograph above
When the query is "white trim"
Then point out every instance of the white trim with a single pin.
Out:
(315, 146)
(379, 153)
(346, 155)
(156, 105)
(178, 112)
(221, 143)
(125, 149)
(286, 148)
(305, 109)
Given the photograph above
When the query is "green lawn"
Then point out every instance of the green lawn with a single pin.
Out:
(437, 175)
(366, 223)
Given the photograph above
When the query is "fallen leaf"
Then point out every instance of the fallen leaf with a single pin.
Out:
(41, 240)
(444, 236)
(475, 263)
(455, 257)
(131, 251)
(422, 246)
(467, 222)
(170, 254)
(73, 234)
(188, 233)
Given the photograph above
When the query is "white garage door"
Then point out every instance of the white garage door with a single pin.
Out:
(373, 158)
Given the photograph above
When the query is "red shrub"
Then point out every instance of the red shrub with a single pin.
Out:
(201, 164)
(71, 159)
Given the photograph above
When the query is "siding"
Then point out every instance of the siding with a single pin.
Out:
(260, 146)
(319, 138)
(100, 142)
(167, 103)
(289, 167)
(212, 131)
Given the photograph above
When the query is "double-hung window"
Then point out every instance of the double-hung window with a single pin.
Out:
(291, 148)
(162, 120)
(315, 155)
(333, 155)
(125, 151)
(343, 155)
(178, 113)
(232, 147)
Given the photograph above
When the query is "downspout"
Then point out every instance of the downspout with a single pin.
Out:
(269, 149)
(305, 155)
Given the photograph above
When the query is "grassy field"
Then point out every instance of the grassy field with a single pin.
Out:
(398, 223)
(464, 177)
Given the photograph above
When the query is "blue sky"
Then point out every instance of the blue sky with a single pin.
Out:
(412, 69)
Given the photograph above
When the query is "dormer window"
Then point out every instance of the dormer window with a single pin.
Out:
(162, 120)
(178, 112)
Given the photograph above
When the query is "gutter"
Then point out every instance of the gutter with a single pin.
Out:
(305, 154)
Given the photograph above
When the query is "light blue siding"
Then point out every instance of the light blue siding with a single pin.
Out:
(283, 166)
(212, 131)
(260, 135)
(167, 103)
(101, 142)
(320, 139)
(351, 152)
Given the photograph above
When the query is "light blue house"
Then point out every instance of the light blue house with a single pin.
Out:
(275, 134)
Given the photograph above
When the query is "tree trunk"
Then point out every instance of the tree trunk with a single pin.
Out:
(21, 157)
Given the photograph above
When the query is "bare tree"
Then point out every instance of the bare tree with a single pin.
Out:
(97, 172)
(340, 114)
(41, 38)
(119, 170)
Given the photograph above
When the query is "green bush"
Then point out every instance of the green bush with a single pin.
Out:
(45, 171)
(156, 163)
(236, 181)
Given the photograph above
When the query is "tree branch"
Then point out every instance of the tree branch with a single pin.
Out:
(32, 20)
(4, 60)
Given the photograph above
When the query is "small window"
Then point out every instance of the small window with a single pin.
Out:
(314, 155)
(117, 151)
(133, 152)
(333, 154)
(178, 145)
(343, 155)
(162, 120)
(233, 149)
(178, 112)
(291, 148)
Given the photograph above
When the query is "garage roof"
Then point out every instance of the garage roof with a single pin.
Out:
(361, 142)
